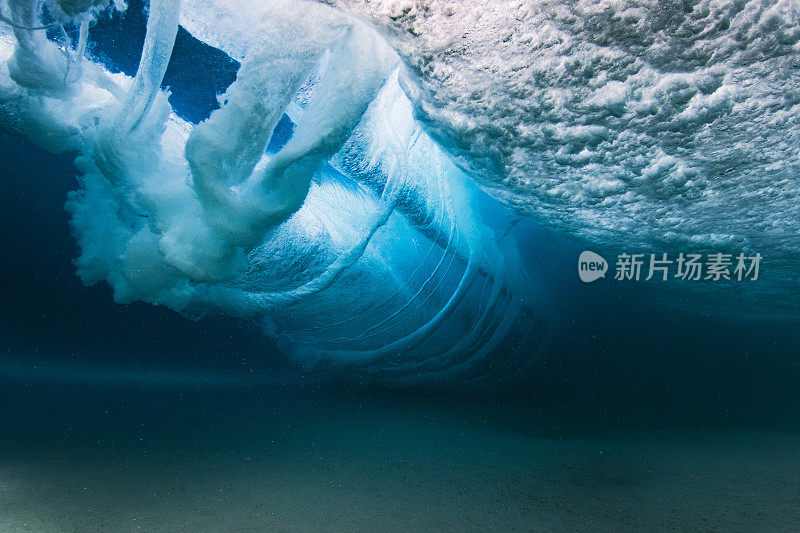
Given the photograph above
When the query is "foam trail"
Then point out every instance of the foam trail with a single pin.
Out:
(114, 138)
(162, 26)
(358, 242)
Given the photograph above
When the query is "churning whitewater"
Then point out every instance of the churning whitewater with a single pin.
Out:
(356, 240)
(626, 121)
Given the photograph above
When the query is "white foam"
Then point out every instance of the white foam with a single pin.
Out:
(632, 122)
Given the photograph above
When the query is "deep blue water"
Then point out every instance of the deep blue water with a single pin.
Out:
(83, 377)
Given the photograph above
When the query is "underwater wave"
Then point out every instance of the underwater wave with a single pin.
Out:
(355, 239)
(337, 193)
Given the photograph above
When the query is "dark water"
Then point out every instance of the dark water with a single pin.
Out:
(642, 413)
(619, 355)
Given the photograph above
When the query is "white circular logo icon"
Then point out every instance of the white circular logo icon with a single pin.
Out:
(591, 266)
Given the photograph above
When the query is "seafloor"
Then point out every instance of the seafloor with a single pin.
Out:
(226, 457)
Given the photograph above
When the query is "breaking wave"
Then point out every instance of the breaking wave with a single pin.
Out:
(354, 237)
(337, 194)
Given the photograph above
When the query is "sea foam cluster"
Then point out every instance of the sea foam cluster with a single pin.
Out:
(642, 123)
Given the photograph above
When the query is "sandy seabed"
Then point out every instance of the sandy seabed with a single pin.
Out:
(215, 458)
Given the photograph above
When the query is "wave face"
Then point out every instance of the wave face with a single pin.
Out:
(350, 234)
(335, 193)
(633, 122)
